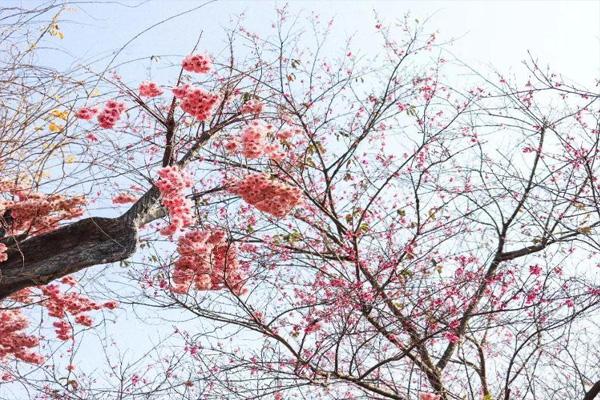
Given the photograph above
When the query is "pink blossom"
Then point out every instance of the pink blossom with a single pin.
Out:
(198, 63)
(86, 113)
(150, 89)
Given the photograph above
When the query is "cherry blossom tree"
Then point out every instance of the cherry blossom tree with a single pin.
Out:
(342, 226)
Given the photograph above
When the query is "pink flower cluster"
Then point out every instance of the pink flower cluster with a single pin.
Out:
(39, 213)
(253, 143)
(124, 198)
(86, 113)
(150, 89)
(13, 341)
(110, 114)
(180, 91)
(268, 195)
(59, 305)
(198, 63)
(429, 396)
(252, 107)
(206, 261)
(172, 184)
(253, 140)
(196, 101)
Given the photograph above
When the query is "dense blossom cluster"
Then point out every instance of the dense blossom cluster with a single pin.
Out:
(172, 185)
(180, 91)
(13, 341)
(150, 89)
(267, 195)
(196, 102)
(198, 63)
(86, 113)
(206, 262)
(110, 114)
(38, 213)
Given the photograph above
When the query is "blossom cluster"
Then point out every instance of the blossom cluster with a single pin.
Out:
(206, 261)
(267, 195)
(253, 140)
(253, 143)
(16, 343)
(86, 113)
(38, 213)
(124, 198)
(150, 89)
(172, 184)
(59, 305)
(198, 63)
(13, 341)
(180, 91)
(110, 114)
(195, 101)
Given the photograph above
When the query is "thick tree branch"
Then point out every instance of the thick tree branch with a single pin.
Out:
(593, 392)
(84, 243)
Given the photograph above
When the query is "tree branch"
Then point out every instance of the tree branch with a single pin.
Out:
(593, 392)
(84, 243)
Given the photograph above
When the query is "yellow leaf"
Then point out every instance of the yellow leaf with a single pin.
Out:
(95, 93)
(54, 30)
(59, 114)
(70, 159)
(54, 128)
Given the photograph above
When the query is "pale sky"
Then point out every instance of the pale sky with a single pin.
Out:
(564, 34)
